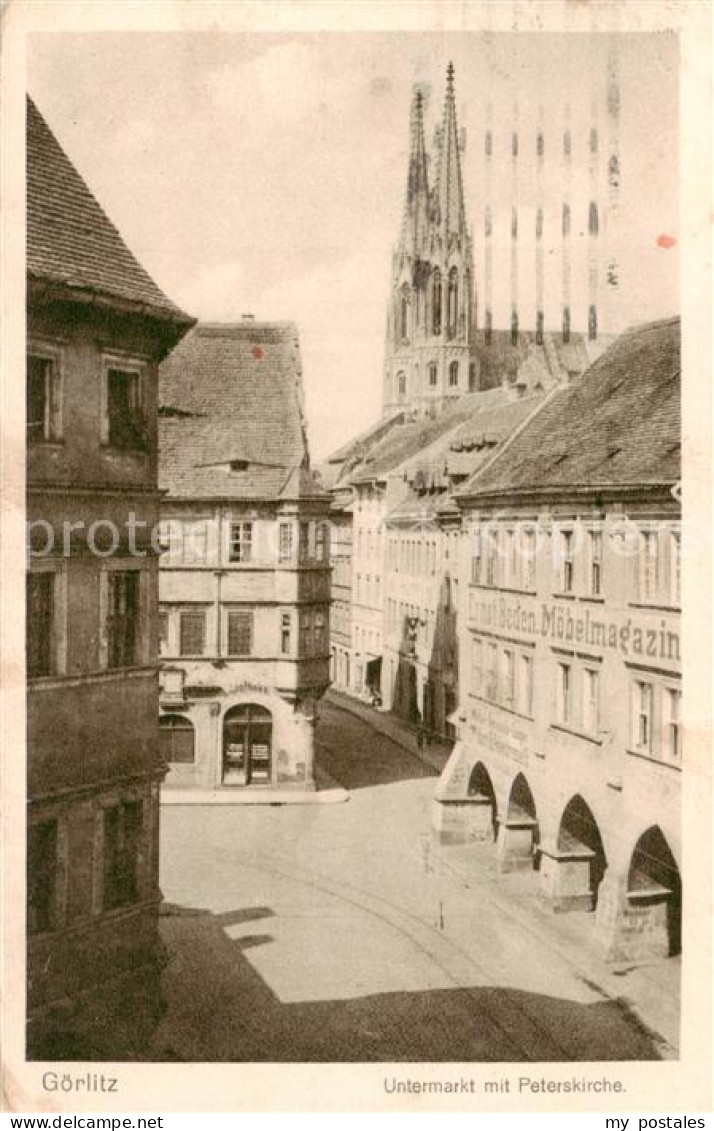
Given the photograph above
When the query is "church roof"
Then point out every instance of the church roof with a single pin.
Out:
(554, 361)
(618, 426)
(71, 242)
(231, 421)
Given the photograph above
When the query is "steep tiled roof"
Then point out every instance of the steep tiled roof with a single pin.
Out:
(618, 426)
(231, 421)
(410, 439)
(71, 242)
(460, 452)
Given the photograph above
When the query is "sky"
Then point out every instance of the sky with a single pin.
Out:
(265, 174)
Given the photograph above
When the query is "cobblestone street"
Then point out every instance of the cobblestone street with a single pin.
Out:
(340, 932)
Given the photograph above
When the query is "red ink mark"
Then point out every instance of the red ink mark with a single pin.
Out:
(666, 241)
(257, 352)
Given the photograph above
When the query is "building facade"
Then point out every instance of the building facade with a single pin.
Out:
(423, 584)
(97, 328)
(569, 726)
(245, 576)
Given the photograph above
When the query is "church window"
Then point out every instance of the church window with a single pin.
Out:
(472, 376)
(404, 312)
(402, 383)
(432, 374)
(453, 299)
(436, 303)
(453, 374)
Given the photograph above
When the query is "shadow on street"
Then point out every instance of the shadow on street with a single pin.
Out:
(218, 1008)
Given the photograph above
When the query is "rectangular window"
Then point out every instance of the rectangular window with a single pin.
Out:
(476, 559)
(564, 693)
(319, 633)
(508, 677)
(566, 561)
(528, 546)
(491, 557)
(595, 563)
(305, 634)
(123, 619)
(526, 685)
(672, 724)
(304, 541)
(285, 634)
(321, 543)
(509, 558)
(675, 569)
(41, 876)
(285, 542)
(192, 633)
(40, 627)
(194, 542)
(492, 672)
(591, 701)
(642, 736)
(240, 632)
(648, 565)
(476, 666)
(43, 400)
(241, 547)
(122, 843)
(163, 630)
(124, 411)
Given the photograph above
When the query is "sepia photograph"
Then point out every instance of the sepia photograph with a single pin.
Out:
(354, 656)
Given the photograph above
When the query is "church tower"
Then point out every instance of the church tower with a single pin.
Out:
(429, 357)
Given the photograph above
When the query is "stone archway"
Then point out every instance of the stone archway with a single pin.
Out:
(481, 793)
(518, 832)
(654, 894)
(573, 872)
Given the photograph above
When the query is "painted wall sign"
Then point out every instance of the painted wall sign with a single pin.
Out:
(565, 624)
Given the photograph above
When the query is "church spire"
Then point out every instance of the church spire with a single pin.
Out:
(416, 206)
(451, 214)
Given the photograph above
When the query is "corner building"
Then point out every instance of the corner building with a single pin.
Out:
(569, 751)
(97, 328)
(245, 577)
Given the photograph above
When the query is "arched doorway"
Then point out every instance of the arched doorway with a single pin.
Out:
(247, 745)
(518, 833)
(580, 854)
(654, 881)
(480, 788)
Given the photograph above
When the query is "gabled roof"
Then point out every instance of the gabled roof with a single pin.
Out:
(231, 421)
(71, 242)
(618, 426)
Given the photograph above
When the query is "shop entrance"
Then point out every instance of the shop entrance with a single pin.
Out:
(247, 745)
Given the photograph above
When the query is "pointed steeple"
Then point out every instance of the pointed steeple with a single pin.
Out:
(416, 205)
(449, 194)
